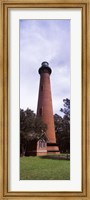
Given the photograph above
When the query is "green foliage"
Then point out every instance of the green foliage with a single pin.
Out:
(31, 128)
(66, 109)
(62, 127)
(36, 168)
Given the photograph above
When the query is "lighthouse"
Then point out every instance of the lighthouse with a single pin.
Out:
(45, 111)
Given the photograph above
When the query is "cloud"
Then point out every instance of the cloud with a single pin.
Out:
(44, 40)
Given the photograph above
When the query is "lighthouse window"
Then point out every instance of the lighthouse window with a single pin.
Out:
(40, 111)
(41, 87)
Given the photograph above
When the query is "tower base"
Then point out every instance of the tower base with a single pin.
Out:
(52, 148)
(47, 148)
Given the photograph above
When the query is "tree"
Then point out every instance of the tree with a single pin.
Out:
(32, 128)
(62, 127)
(58, 121)
(66, 109)
(66, 118)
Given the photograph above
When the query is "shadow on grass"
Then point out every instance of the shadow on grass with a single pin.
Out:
(56, 157)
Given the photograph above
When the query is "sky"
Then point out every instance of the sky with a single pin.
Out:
(44, 40)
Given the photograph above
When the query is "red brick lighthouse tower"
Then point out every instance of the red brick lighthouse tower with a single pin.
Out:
(45, 110)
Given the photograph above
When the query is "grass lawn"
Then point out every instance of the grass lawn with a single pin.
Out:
(36, 168)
